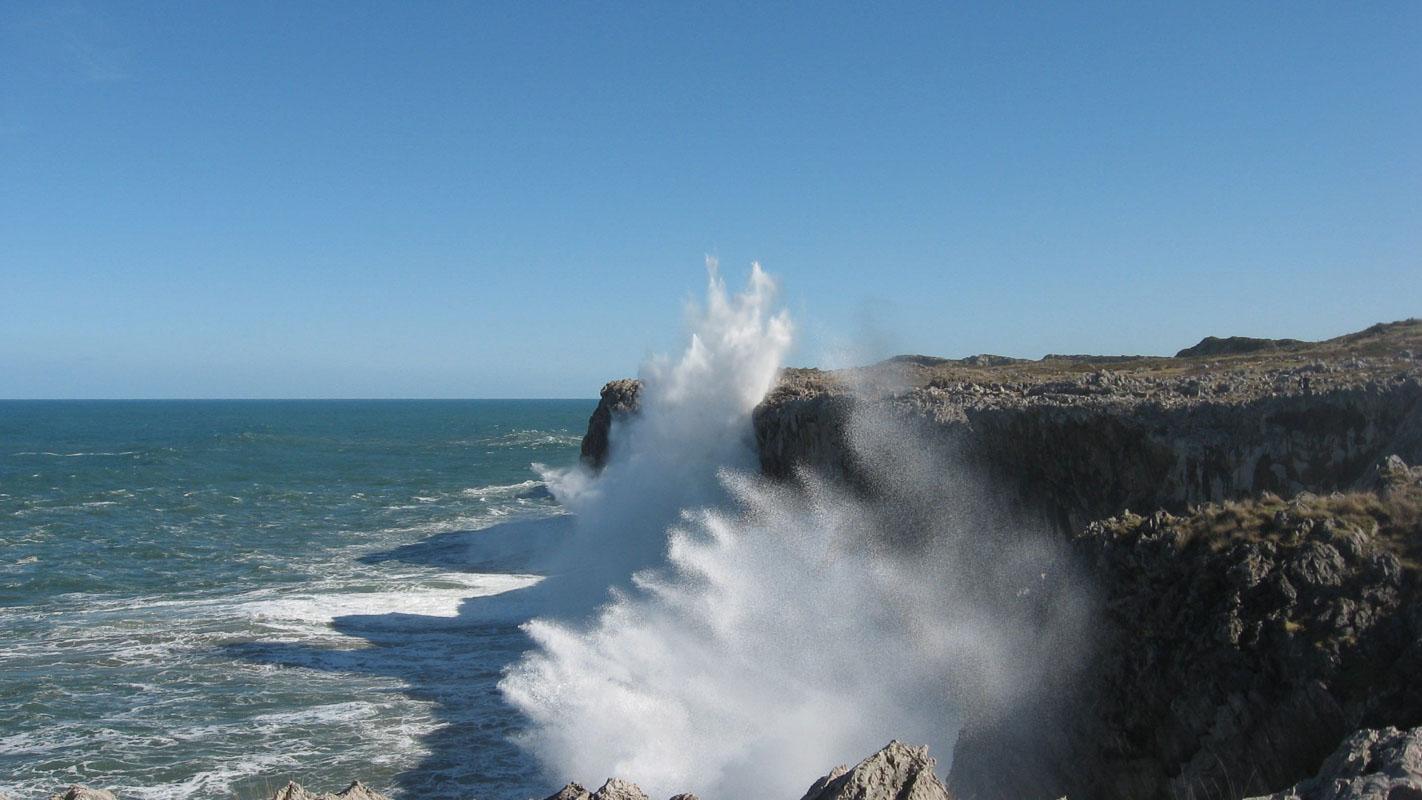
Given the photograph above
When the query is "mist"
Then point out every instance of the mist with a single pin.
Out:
(756, 633)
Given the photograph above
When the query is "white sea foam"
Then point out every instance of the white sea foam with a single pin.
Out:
(532, 438)
(76, 455)
(501, 490)
(440, 598)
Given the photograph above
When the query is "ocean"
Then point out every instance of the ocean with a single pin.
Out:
(207, 598)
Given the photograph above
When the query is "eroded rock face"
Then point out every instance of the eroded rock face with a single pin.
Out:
(619, 398)
(897, 772)
(1381, 764)
(1226, 665)
(1239, 644)
(1095, 446)
(1086, 437)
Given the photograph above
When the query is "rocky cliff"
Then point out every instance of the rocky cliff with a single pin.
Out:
(1250, 620)
(1240, 643)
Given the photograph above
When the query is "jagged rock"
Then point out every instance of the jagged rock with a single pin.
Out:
(359, 791)
(356, 791)
(79, 792)
(619, 398)
(1147, 433)
(897, 772)
(1228, 662)
(618, 789)
(1082, 444)
(1369, 765)
(573, 791)
(819, 785)
(684, 797)
(1239, 643)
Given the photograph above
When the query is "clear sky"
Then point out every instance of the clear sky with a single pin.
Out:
(499, 199)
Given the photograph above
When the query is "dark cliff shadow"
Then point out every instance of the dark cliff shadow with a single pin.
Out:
(518, 546)
(454, 663)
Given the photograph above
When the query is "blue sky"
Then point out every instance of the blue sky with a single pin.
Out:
(496, 199)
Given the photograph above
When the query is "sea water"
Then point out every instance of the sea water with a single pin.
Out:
(207, 598)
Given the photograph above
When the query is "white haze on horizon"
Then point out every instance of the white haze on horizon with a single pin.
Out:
(773, 630)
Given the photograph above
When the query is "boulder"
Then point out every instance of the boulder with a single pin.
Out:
(897, 772)
(573, 791)
(78, 792)
(1373, 764)
(618, 789)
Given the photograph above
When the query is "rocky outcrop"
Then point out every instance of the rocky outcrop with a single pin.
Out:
(1239, 644)
(612, 789)
(1235, 345)
(618, 789)
(618, 399)
(79, 792)
(1242, 635)
(572, 791)
(356, 791)
(1085, 437)
(1081, 442)
(1370, 765)
(897, 772)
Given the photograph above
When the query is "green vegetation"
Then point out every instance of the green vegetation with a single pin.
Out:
(1390, 518)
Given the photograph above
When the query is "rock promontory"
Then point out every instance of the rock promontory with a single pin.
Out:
(1250, 526)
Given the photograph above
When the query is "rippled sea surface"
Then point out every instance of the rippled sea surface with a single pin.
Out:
(207, 598)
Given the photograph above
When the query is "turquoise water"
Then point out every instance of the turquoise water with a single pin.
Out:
(206, 598)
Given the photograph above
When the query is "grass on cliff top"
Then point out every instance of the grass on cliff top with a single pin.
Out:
(1390, 518)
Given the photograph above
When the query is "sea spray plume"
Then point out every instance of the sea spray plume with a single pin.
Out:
(694, 420)
(799, 625)
(981, 551)
(774, 643)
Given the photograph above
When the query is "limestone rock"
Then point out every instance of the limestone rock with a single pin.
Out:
(78, 792)
(1238, 644)
(1229, 663)
(356, 791)
(618, 789)
(1381, 764)
(359, 791)
(573, 791)
(897, 772)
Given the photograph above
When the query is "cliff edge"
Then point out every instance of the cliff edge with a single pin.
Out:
(1247, 517)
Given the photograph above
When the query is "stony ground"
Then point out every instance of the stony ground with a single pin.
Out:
(1231, 371)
